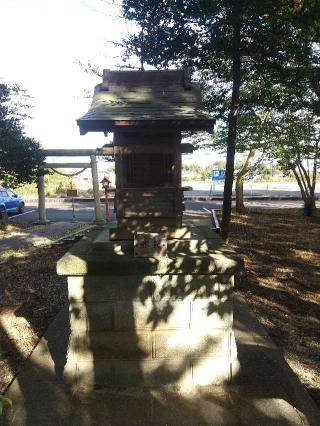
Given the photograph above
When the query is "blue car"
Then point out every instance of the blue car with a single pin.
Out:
(10, 202)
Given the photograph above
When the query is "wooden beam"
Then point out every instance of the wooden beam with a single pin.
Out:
(161, 148)
(70, 152)
(67, 165)
(186, 148)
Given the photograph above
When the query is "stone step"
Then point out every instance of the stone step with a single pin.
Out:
(127, 232)
(150, 373)
(112, 261)
(176, 247)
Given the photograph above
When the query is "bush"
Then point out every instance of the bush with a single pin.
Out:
(60, 189)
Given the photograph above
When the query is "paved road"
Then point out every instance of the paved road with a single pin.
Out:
(84, 212)
(266, 204)
(251, 188)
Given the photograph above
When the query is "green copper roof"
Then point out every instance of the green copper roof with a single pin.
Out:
(145, 98)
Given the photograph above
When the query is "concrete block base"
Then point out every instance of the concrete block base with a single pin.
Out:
(173, 232)
(149, 321)
(151, 330)
(266, 393)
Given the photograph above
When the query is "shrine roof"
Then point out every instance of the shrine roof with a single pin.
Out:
(146, 98)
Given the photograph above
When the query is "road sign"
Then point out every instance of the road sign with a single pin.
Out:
(218, 175)
(72, 192)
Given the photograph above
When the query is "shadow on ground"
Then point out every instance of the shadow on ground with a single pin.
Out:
(264, 392)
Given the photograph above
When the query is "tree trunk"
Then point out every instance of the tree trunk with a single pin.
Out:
(307, 192)
(232, 120)
(240, 179)
(239, 194)
(309, 207)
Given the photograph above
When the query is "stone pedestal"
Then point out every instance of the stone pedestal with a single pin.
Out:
(150, 322)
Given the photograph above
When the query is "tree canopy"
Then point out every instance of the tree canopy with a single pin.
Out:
(231, 44)
(20, 156)
(294, 140)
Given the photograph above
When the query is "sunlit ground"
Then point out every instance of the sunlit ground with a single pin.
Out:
(281, 283)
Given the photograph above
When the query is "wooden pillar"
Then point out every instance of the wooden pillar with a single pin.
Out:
(177, 172)
(95, 185)
(177, 160)
(118, 205)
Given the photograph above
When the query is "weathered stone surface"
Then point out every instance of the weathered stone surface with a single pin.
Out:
(165, 315)
(111, 345)
(112, 260)
(207, 371)
(153, 322)
(184, 286)
(266, 393)
(147, 244)
(142, 287)
(172, 232)
(155, 372)
(106, 288)
(92, 373)
(150, 315)
(91, 316)
(211, 314)
(191, 344)
(194, 408)
(134, 373)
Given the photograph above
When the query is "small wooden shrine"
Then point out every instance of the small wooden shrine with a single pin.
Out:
(147, 111)
(156, 311)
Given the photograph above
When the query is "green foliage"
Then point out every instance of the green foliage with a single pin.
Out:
(20, 156)
(251, 57)
(230, 45)
(198, 33)
(55, 184)
(3, 402)
(198, 172)
(251, 132)
(278, 56)
(61, 189)
(279, 61)
(294, 138)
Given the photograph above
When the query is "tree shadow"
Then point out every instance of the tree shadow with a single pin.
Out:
(280, 283)
(129, 361)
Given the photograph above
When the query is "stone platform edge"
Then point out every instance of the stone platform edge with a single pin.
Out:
(116, 258)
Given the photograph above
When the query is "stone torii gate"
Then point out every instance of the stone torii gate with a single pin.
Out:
(94, 171)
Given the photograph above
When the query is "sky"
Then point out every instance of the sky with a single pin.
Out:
(42, 41)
